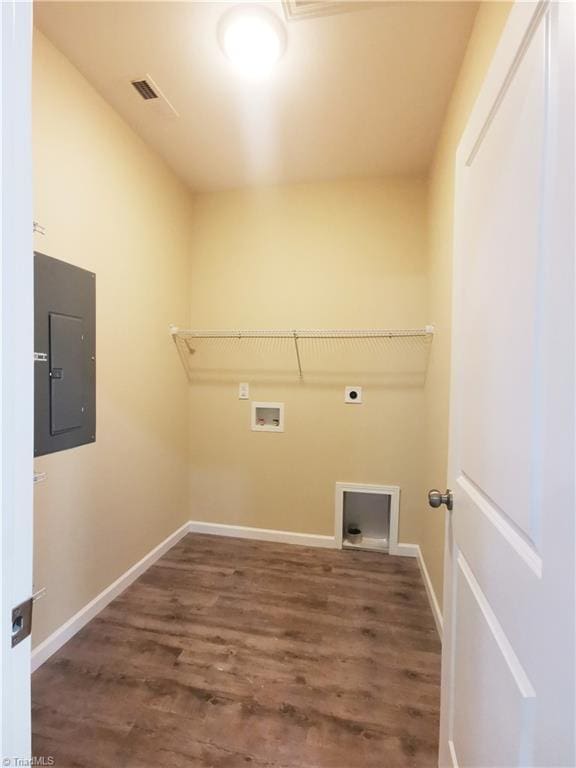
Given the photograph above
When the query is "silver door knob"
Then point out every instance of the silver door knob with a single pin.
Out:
(436, 499)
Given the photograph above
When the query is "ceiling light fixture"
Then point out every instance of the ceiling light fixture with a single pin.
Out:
(253, 39)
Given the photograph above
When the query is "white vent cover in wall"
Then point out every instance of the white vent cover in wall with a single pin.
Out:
(146, 89)
(306, 9)
(367, 517)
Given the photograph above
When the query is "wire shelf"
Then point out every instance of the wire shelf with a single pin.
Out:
(184, 338)
(304, 334)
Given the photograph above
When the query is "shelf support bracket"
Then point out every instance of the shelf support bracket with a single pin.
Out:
(177, 342)
(295, 335)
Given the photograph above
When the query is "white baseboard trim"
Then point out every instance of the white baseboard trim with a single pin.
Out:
(262, 534)
(430, 592)
(453, 754)
(56, 640)
(404, 550)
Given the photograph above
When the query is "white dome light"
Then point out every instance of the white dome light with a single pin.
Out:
(253, 39)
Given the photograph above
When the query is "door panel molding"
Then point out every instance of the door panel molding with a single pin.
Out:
(506, 527)
(518, 672)
(536, 12)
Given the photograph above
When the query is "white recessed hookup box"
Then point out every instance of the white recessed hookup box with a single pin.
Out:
(268, 417)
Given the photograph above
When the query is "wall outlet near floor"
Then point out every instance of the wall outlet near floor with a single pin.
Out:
(353, 395)
(244, 391)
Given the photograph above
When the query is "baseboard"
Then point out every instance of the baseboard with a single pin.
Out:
(436, 612)
(56, 640)
(404, 550)
(262, 534)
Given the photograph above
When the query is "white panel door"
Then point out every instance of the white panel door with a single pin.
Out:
(508, 656)
(16, 368)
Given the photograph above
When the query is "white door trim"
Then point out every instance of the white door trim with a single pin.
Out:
(16, 364)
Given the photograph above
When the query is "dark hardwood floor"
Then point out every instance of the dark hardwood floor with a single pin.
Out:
(230, 653)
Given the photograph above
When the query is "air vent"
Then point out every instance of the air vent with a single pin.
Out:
(306, 9)
(145, 89)
(156, 101)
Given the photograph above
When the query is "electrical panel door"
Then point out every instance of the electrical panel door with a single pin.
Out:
(64, 355)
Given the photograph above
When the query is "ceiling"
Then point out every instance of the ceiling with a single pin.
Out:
(357, 94)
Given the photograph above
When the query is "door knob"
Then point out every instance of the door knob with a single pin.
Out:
(436, 499)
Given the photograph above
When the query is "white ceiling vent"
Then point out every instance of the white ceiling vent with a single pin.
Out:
(150, 92)
(306, 9)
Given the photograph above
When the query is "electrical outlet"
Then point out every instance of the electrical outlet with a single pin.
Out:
(353, 395)
(244, 391)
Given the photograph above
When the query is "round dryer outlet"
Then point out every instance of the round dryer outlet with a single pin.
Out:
(353, 395)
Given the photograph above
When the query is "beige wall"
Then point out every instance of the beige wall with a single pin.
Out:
(485, 35)
(350, 254)
(109, 205)
(334, 255)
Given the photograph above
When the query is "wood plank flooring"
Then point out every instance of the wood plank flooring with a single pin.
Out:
(230, 653)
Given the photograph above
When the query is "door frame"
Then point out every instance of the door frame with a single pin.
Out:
(16, 369)
(524, 16)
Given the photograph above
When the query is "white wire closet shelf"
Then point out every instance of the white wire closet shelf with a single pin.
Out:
(185, 338)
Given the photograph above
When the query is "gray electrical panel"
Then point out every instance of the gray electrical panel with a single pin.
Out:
(64, 355)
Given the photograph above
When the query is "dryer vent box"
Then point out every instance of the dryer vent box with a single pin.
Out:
(64, 355)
